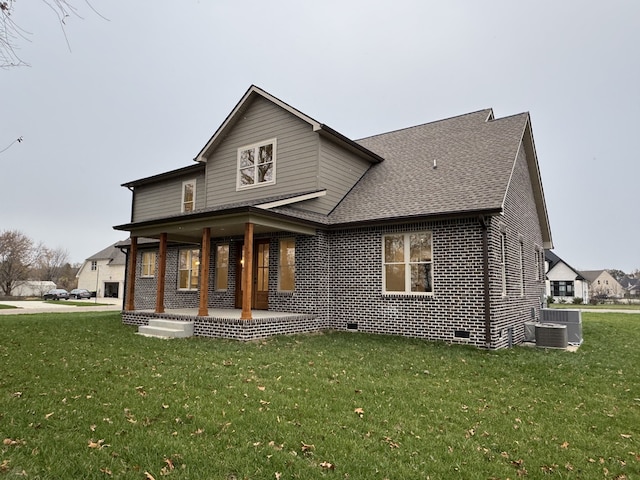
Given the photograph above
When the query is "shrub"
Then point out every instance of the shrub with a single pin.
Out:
(577, 300)
(550, 299)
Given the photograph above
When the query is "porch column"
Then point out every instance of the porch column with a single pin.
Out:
(162, 270)
(247, 277)
(131, 275)
(204, 272)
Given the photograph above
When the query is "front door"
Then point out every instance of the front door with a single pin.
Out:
(260, 297)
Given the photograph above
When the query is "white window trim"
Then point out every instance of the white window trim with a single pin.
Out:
(142, 275)
(503, 262)
(407, 271)
(184, 184)
(190, 250)
(255, 146)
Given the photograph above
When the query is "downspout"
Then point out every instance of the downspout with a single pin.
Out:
(484, 223)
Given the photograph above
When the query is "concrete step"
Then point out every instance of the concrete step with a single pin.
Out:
(166, 329)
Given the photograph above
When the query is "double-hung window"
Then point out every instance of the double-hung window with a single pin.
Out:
(562, 288)
(408, 263)
(257, 165)
(188, 264)
(148, 264)
(188, 196)
(287, 265)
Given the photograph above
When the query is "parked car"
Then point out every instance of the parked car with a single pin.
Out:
(56, 294)
(79, 293)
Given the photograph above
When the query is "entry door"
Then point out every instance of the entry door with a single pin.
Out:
(260, 275)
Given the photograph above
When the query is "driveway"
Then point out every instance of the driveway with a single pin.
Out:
(61, 306)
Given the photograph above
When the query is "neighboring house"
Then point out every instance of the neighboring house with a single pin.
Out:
(436, 231)
(630, 286)
(104, 273)
(564, 283)
(32, 288)
(602, 284)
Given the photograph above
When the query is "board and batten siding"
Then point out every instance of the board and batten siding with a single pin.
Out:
(164, 198)
(296, 155)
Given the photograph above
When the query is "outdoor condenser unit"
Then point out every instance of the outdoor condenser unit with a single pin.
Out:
(530, 331)
(551, 335)
(571, 318)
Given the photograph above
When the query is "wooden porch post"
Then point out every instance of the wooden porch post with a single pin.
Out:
(247, 278)
(162, 270)
(131, 275)
(204, 272)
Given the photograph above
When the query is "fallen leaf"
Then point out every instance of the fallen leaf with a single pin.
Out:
(148, 476)
(106, 471)
(97, 445)
(328, 465)
(306, 448)
(359, 411)
(278, 475)
(261, 388)
(4, 466)
(625, 435)
(564, 445)
(169, 463)
(48, 415)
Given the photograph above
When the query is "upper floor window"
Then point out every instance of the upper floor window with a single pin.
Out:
(94, 265)
(408, 263)
(188, 196)
(257, 165)
(148, 264)
(188, 263)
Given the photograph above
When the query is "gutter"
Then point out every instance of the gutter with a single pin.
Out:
(484, 223)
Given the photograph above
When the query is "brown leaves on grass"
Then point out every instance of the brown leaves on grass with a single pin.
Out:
(327, 465)
(4, 466)
(359, 411)
(99, 445)
(9, 442)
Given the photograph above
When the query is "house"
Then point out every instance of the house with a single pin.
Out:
(630, 286)
(602, 284)
(285, 225)
(32, 288)
(564, 283)
(104, 273)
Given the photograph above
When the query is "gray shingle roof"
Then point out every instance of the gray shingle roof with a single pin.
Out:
(474, 159)
(111, 253)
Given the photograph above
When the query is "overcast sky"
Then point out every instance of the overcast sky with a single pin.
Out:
(144, 85)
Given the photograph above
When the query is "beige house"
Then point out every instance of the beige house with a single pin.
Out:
(104, 273)
(602, 284)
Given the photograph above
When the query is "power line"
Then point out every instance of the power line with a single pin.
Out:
(17, 140)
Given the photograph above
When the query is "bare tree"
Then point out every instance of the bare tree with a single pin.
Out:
(18, 255)
(51, 263)
(11, 34)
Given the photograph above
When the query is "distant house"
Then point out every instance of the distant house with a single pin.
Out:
(564, 283)
(32, 288)
(630, 286)
(104, 273)
(602, 284)
(284, 225)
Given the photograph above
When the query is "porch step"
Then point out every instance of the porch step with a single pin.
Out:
(166, 329)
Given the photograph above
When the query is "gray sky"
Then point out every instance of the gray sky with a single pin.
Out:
(144, 88)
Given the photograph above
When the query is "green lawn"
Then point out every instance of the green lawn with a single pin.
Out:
(81, 396)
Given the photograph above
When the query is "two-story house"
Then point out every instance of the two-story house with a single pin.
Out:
(285, 225)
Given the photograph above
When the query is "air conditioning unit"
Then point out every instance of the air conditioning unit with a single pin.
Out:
(551, 335)
(571, 318)
(530, 331)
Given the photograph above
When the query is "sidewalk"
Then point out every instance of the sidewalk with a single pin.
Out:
(61, 306)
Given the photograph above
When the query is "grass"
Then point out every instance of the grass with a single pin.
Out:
(81, 396)
(2, 307)
(602, 306)
(79, 303)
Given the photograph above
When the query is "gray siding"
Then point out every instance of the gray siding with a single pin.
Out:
(296, 155)
(162, 199)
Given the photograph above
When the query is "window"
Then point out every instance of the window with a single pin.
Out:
(408, 263)
(94, 266)
(148, 264)
(188, 264)
(188, 196)
(562, 288)
(287, 265)
(257, 165)
(222, 266)
(503, 262)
